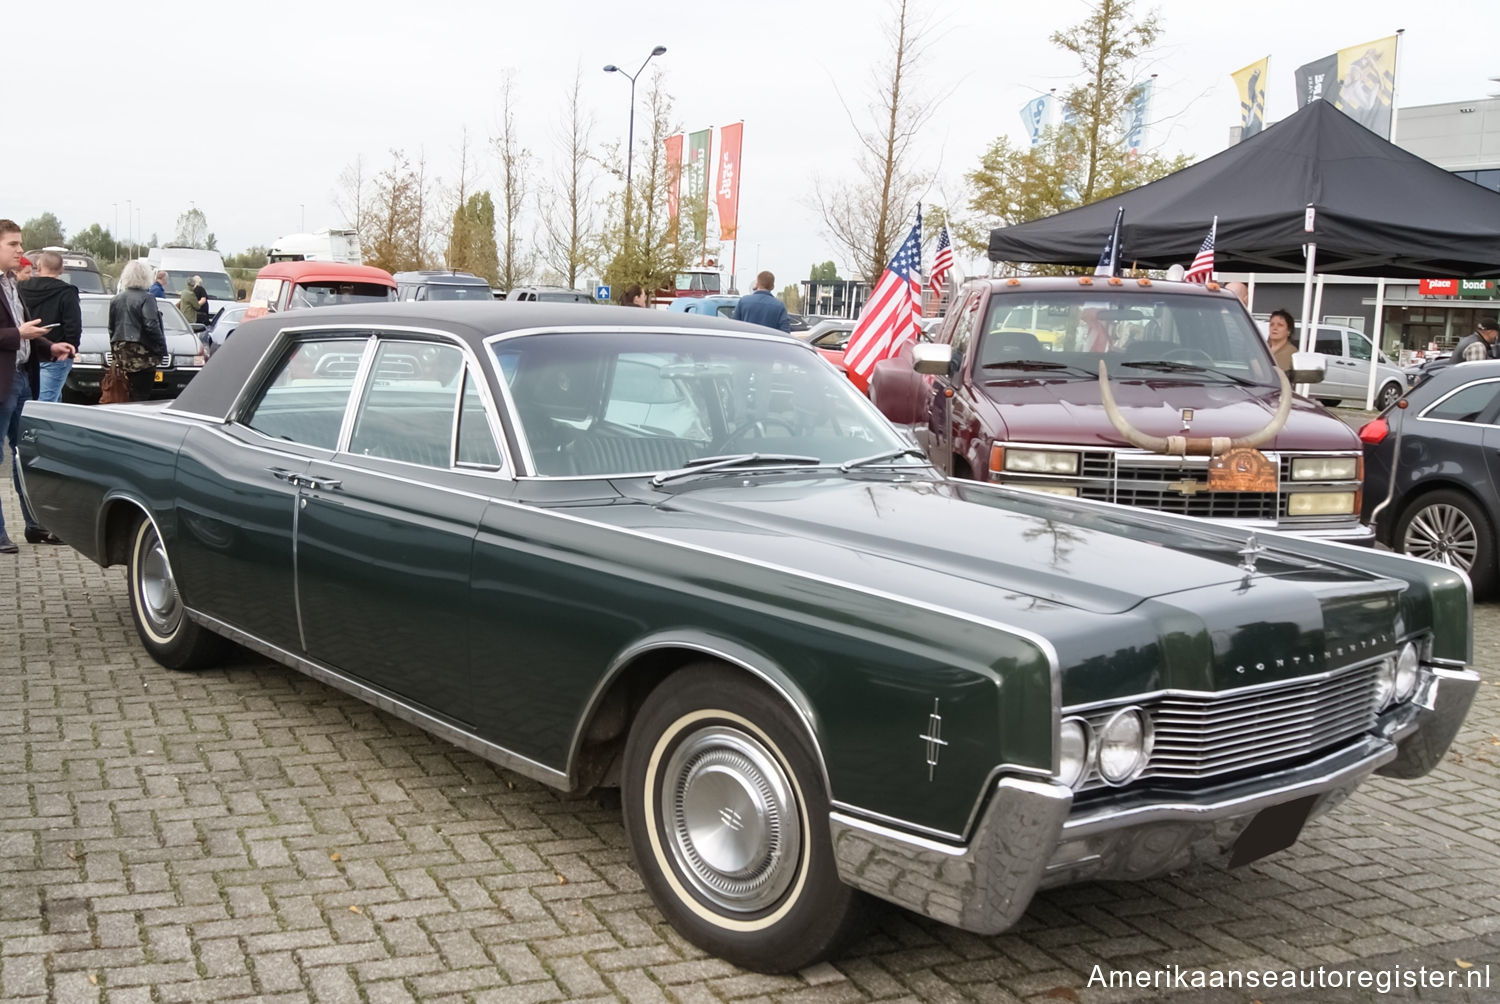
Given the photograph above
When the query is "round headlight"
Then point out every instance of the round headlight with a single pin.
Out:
(1406, 671)
(1385, 682)
(1123, 746)
(1073, 752)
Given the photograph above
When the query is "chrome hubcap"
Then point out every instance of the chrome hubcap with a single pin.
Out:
(158, 590)
(731, 818)
(1442, 533)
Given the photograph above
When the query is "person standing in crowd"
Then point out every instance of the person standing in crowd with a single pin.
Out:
(762, 307)
(633, 296)
(135, 334)
(51, 300)
(202, 296)
(19, 340)
(187, 304)
(159, 287)
(1279, 338)
(25, 270)
(1479, 344)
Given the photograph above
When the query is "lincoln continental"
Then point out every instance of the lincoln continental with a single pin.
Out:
(684, 558)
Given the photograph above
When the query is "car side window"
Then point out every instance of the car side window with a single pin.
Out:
(476, 441)
(963, 330)
(410, 404)
(1466, 404)
(1329, 343)
(309, 392)
(1359, 347)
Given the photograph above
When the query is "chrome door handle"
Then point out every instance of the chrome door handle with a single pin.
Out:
(289, 477)
(321, 484)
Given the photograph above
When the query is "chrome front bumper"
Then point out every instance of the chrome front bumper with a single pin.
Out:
(1030, 836)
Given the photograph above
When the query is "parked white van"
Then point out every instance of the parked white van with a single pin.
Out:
(1346, 376)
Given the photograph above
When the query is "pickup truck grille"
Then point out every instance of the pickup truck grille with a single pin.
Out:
(1202, 735)
(1172, 484)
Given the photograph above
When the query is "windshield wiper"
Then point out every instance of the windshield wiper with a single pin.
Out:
(905, 451)
(1040, 364)
(703, 465)
(1178, 366)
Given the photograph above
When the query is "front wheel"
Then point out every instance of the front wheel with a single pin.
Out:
(728, 823)
(170, 637)
(1389, 395)
(1450, 527)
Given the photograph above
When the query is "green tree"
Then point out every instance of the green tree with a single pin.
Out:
(252, 257)
(826, 272)
(1084, 160)
(791, 297)
(471, 246)
(95, 240)
(43, 231)
(647, 252)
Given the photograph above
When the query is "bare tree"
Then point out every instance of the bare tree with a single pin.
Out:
(646, 251)
(460, 240)
(349, 196)
(865, 217)
(516, 264)
(567, 205)
(392, 217)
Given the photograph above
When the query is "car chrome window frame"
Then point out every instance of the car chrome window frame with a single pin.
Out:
(276, 348)
(1424, 414)
(778, 337)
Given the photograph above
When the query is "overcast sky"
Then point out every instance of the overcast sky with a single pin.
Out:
(250, 111)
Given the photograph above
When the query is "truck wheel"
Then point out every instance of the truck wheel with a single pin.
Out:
(728, 823)
(1449, 527)
(166, 631)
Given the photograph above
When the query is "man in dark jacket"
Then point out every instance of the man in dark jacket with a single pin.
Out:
(20, 339)
(52, 301)
(762, 307)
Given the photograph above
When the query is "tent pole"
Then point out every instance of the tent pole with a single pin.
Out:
(1378, 335)
(1317, 311)
(1250, 295)
(1311, 250)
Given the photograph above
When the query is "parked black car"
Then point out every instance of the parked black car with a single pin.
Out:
(1445, 505)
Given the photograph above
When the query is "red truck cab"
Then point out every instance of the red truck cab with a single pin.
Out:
(1150, 394)
(293, 285)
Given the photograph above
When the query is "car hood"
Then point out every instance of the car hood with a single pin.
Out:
(179, 343)
(1131, 602)
(1049, 411)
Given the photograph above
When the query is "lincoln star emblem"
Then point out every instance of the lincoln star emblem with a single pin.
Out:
(933, 737)
(1187, 486)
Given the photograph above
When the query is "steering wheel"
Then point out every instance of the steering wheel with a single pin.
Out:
(1188, 354)
(758, 426)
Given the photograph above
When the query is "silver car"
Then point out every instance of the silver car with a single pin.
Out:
(1346, 376)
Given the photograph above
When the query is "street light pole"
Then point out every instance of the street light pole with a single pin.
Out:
(630, 136)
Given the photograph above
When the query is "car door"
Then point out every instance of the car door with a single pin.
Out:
(238, 489)
(386, 532)
(1337, 381)
(1358, 357)
(948, 414)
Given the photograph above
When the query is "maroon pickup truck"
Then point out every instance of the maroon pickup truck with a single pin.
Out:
(1150, 394)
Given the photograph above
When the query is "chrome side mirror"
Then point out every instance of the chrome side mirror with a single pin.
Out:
(1308, 367)
(933, 357)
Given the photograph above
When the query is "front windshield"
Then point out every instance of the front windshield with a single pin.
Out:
(698, 282)
(1174, 335)
(333, 294)
(87, 282)
(217, 285)
(95, 314)
(454, 292)
(607, 404)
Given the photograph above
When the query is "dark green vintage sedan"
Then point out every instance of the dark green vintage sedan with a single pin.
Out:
(683, 557)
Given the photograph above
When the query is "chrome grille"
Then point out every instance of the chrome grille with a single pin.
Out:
(1135, 480)
(164, 363)
(1202, 735)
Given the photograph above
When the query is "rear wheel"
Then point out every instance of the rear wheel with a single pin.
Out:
(728, 822)
(1449, 527)
(1330, 402)
(166, 631)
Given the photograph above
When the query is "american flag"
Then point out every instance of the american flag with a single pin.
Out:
(1109, 258)
(889, 318)
(1202, 268)
(942, 263)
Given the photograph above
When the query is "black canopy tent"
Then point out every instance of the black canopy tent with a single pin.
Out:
(1379, 210)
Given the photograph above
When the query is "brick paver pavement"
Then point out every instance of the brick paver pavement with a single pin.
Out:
(248, 834)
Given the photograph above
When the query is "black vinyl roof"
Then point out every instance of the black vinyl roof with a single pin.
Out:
(215, 388)
(1380, 211)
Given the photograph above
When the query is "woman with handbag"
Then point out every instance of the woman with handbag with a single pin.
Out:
(136, 339)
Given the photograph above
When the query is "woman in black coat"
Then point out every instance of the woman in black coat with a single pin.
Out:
(136, 340)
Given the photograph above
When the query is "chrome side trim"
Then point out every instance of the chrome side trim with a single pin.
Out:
(298, 501)
(357, 390)
(439, 727)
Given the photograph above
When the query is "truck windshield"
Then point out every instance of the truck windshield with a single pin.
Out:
(217, 285)
(1187, 337)
(328, 294)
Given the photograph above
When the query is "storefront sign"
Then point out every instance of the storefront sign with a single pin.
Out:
(1437, 287)
(1476, 289)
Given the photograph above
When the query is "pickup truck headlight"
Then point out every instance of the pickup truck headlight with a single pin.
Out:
(1073, 751)
(1040, 462)
(1325, 468)
(1320, 504)
(1406, 671)
(1124, 746)
(90, 359)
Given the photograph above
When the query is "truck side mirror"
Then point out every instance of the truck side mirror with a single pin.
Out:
(239, 294)
(934, 358)
(1307, 367)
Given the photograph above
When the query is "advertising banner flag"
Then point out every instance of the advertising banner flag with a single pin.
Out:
(1134, 118)
(674, 183)
(1367, 84)
(1250, 84)
(1036, 115)
(695, 191)
(1318, 79)
(728, 190)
